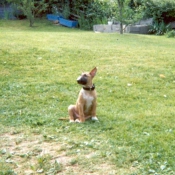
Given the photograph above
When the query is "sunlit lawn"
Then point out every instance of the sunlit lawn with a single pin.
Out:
(136, 101)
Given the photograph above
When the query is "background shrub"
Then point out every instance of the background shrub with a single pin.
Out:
(94, 13)
(170, 34)
(159, 28)
(159, 10)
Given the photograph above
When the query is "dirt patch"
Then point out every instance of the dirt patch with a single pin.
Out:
(28, 155)
(23, 152)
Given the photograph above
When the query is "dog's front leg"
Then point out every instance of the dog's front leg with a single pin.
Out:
(81, 113)
(93, 113)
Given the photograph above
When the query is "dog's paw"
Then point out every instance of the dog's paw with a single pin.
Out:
(94, 118)
(77, 121)
(71, 121)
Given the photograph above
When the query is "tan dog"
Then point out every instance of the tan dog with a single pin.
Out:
(85, 106)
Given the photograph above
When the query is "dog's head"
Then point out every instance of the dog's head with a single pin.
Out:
(86, 77)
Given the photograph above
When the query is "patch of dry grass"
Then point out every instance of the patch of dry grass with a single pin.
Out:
(28, 154)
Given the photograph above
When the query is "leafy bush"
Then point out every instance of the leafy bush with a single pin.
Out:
(159, 28)
(16, 12)
(30, 8)
(170, 34)
(94, 13)
(66, 11)
(159, 10)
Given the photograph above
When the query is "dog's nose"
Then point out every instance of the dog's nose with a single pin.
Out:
(79, 79)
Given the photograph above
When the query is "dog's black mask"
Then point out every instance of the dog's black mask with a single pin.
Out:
(82, 80)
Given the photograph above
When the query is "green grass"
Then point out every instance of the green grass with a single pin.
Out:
(136, 96)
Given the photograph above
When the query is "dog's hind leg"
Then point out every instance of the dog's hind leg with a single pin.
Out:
(73, 115)
(71, 111)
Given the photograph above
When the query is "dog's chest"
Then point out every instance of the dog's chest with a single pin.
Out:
(88, 99)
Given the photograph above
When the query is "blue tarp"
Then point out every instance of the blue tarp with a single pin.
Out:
(6, 12)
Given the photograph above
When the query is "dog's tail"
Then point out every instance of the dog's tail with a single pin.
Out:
(63, 119)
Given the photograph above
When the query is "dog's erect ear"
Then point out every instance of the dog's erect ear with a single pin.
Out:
(93, 72)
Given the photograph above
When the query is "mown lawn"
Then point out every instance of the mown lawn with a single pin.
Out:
(136, 102)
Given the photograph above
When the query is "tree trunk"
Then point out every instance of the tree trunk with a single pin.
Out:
(121, 27)
(31, 19)
(31, 22)
(120, 5)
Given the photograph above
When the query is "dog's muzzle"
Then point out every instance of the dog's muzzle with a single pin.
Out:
(82, 80)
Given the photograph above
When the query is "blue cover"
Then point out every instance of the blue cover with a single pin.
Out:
(68, 23)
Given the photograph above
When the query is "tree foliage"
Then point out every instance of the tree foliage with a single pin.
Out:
(126, 13)
(30, 8)
(96, 12)
(160, 10)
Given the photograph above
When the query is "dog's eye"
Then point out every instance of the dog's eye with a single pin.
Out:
(85, 75)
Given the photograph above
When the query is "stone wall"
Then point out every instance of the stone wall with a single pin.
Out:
(105, 28)
(141, 27)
